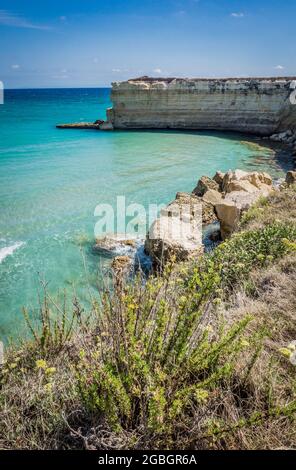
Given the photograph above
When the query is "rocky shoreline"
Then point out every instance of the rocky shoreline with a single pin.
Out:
(220, 200)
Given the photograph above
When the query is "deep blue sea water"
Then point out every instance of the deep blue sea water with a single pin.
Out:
(51, 181)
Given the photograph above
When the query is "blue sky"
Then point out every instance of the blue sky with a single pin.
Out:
(68, 43)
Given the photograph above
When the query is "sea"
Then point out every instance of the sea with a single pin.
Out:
(53, 180)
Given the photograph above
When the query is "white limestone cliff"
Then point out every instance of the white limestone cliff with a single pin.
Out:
(262, 106)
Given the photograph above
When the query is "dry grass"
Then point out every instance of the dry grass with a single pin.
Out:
(279, 206)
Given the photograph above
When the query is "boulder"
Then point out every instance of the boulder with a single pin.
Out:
(240, 180)
(218, 178)
(230, 209)
(208, 210)
(291, 178)
(204, 184)
(212, 197)
(228, 214)
(235, 175)
(241, 185)
(185, 198)
(208, 213)
(282, 136)
(177, 233)
(260, 179)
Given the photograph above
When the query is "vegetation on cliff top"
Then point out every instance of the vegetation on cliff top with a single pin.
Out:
(200, 357)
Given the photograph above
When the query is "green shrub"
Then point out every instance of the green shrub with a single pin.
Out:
(155, 358)
(236, 257)
(147, 374)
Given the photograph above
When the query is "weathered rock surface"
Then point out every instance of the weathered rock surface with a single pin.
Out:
(177, 233)
(212, 197)
(242, 189)
(114, 244)
(240, 180)
(204, 184)
(99, 125)
(219, 176)
(106, 126)
(255, 105)
(229, 211)
(122, 265)
(79, 125)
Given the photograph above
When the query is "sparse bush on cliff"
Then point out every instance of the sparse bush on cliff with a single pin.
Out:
(189, 359)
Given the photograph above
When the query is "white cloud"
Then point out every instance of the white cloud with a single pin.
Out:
(279, 67)
(116, 70)
(237, 15)
(10, 19)
(157, 70)
(15, 66)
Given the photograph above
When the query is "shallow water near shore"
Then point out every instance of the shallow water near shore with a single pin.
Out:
(51, 180)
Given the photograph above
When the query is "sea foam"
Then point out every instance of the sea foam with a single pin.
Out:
(9, 250)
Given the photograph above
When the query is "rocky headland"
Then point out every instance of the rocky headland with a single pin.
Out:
(261, 106)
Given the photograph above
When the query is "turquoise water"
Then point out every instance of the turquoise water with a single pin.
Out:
(51, 181)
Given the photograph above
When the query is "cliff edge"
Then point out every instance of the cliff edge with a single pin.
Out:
(262, 106)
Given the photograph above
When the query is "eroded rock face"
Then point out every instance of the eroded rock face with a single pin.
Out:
(228, 214)
(204, 184)
(242, 189)
(177, 233)
(240, 180)
(106, 126)
(219, 176)
(229, 211)
(259, 106)
(212, 197)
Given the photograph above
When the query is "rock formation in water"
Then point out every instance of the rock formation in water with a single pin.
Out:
(177, 232)
(262, 106)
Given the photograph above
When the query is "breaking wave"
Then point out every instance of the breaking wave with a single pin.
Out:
(9, 250)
